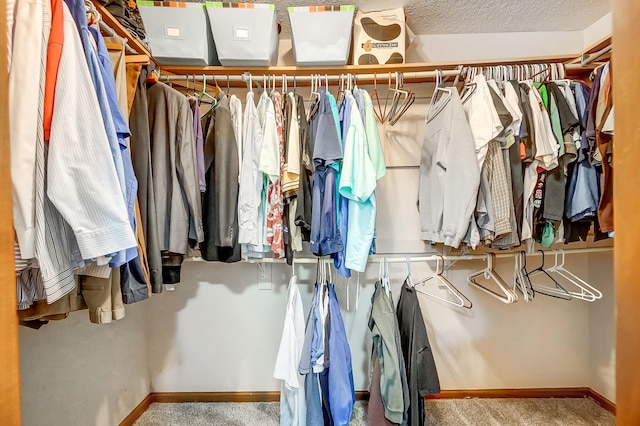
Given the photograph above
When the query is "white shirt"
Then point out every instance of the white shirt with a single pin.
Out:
(512, 103)
(24, 75)
(546, 144)
(82, 182)
(270, 152)
(292, 395)
(483, 118)
(250, 193)
(235, 106)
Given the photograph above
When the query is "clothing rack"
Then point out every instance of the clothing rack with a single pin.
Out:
(107, 29)
(361, 76)
(399, 258)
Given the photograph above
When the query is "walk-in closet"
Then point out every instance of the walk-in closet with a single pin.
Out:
(369, 213)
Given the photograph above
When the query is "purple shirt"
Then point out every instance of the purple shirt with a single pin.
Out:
(197, 131)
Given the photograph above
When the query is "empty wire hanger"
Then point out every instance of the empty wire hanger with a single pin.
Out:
(556, 290)
(501, 290)
(460, 300)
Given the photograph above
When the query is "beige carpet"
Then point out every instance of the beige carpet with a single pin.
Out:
(458, 412)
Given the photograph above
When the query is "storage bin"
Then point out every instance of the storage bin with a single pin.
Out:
(246, 34)
(379, 37)
(321, 35)
(178, 32)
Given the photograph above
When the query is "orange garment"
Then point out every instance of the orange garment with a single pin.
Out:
(54, 52)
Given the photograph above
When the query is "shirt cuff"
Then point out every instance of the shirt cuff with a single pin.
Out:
(106, 241)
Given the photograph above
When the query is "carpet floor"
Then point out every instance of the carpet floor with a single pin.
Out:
(444, 412)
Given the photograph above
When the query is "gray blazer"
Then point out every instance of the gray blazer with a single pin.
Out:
(175, 176)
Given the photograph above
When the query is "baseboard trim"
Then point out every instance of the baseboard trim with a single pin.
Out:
(602, 401)
(512, 393)
(182, 397)
(138, 411)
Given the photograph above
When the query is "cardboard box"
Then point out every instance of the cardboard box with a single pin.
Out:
(379, 37)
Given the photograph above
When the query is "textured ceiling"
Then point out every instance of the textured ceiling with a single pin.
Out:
(474, 16)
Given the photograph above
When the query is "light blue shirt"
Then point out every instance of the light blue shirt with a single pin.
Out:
(357, 183)
(120, 151)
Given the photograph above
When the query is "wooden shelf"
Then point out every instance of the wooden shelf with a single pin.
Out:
(381, 69)
(113, 22)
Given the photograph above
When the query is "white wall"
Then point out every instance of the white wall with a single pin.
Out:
(602, 349)
(600, 29)
(435, 48)
(74, 373)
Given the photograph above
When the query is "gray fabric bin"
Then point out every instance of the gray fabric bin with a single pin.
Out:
(321, 35)
(178, 33)
(246, 34)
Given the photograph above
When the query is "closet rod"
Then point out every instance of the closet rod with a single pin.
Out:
(589, 58)
(396, 258)
(107, 29)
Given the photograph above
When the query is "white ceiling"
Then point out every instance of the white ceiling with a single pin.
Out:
(474, 16)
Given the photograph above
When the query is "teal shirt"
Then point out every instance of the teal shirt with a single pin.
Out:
(357, 184)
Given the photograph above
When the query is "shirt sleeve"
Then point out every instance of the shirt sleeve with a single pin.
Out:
(81, 178)
(23, 102)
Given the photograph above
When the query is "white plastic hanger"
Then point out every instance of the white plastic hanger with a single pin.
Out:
(521, 281)
(587, 292)
(383, 276)
(557, 290)
(460, 300)
(505, 293)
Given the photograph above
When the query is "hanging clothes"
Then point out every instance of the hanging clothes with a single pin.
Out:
(341, 388)
(327, 152)
(275, 237)
(357, 184)
(422, 375)
(235, 106)
(199, 140)
(313, 400)
(251, 182)
(303, 203)
(175, 176)
(388, 371)
(449, 174)
(220, 201)
(292, 397)
(140, 144)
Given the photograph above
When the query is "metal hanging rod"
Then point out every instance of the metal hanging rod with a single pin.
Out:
(107, 29)
(239, 75)
(588, 58)
(398, 258)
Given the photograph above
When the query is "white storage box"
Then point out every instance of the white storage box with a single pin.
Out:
(321, 35)
(246, 34)
(178, 32)
(379, 37)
